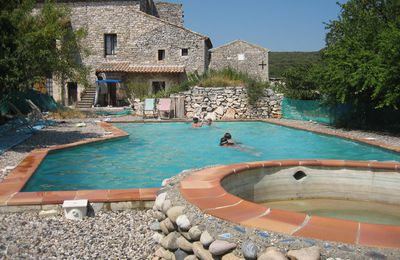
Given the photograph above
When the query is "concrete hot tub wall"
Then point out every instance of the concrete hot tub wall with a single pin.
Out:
(276, 183)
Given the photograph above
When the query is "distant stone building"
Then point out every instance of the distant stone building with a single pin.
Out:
(242, 56)
(135, 40)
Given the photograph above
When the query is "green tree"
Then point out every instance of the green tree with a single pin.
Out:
(299, 83)
(37, 43)
(361, 62)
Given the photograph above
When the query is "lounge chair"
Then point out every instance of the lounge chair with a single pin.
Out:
(149, 107)
(164, 107)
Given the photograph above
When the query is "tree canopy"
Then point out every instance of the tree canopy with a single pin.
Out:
(361, 62)
(37, 43)
(359, 67)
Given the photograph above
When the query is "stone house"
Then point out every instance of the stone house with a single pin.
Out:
(136, 40)
(241, 56)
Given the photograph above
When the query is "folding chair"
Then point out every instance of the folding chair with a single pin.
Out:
(164, 107)
(149, 107)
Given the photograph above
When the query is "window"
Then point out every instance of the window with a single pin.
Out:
(110, 44)
(185, 52)
(241, 57)
(161, 54)
(158, 86)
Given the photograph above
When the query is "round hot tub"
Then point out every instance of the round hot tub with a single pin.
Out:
(346, 201)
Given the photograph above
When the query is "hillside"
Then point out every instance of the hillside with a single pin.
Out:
(281, 61)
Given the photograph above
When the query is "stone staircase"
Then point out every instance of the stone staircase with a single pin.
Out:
(87, 99)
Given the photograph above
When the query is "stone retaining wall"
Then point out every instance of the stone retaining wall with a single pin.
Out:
(226, 103)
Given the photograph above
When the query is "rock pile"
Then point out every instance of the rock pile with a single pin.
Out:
(181, 239)
(230, 103)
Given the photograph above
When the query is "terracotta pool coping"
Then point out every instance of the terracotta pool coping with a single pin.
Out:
(11, 186)
(203, 189)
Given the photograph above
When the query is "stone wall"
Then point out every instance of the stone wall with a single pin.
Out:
(170, 12)
(241, 56)
(229, 103)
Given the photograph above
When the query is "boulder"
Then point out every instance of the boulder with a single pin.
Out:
(206, 239)
(184, 244)
(169, 242)
(308, 253)
(183, 222)
(191, 257)
(230, 256)
(159, 215)
(166, 206)
(221, 247)
(165, 254)
(180, 255)
(157, 237)
(219, 111)
(230, 114)
(160, 200)
(167, 226)
(200, 252)
(272, 253)
(249, 250)
(174, 212)
(195, 233)
(155, 226)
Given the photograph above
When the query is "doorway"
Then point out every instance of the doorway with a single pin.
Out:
(158, 86)
(72, 89)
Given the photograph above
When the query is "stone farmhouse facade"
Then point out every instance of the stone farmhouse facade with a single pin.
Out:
(242, 56)
(145, 42)
(135, 40)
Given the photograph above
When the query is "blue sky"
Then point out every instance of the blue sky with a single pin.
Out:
(279, 25)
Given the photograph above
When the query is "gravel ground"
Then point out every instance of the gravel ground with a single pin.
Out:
(108, 235)
(387, 138)
(115, 235)
(63, 132)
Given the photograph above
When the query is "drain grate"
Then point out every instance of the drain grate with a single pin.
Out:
(299, 175)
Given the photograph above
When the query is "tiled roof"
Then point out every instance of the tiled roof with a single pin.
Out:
(127, 67)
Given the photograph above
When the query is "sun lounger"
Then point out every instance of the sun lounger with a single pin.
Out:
(149, 107)
(164, 107)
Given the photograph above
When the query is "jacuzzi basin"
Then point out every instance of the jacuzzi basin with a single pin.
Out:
(262, 194)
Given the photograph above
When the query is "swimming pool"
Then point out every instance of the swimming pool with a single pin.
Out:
(155, 151)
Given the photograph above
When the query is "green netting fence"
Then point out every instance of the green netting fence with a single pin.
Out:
(314, 110)
(18, 99)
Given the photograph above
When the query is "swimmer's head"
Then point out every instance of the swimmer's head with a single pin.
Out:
(228, 136)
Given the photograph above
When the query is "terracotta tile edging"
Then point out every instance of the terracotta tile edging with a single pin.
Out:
(11, 186)
(203, 191)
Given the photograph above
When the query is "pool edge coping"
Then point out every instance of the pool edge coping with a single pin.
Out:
(203, 189)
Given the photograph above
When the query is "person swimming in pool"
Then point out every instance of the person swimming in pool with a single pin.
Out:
(226, 140)
(196, 123)
(208, 122)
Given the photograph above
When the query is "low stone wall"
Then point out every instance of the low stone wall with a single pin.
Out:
(226, 103)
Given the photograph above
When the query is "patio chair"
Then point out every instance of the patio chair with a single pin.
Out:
(149, 107)
(164, 108)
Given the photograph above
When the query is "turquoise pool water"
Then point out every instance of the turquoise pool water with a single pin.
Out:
(154, 152)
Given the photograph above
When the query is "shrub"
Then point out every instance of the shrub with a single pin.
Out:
(137, 89)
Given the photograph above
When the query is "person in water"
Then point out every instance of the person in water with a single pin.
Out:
(196, 123)
(226, 140)
(209, 122)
